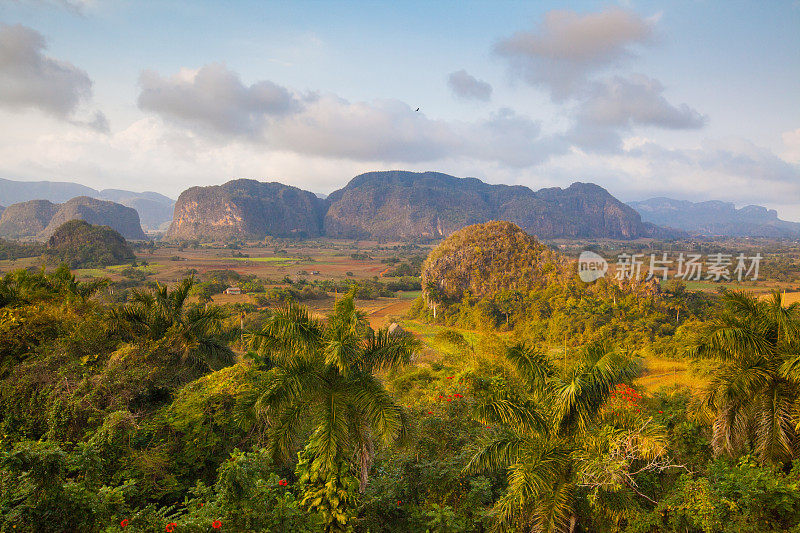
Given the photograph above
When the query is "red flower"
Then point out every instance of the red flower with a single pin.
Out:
(216, 524)
(449, 399)
(123, 523)
(450, 377)
(661, 412)
(430, 412)
(283, 483)
(170, 527)
(398, 502)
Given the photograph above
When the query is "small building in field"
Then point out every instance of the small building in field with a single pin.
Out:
(233, 290)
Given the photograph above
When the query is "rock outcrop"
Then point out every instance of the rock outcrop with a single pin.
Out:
(246, 209)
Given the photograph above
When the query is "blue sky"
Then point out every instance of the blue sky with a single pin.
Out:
(694, 99)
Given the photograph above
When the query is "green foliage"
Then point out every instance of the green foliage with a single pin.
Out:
(82, 245)
(328, 490)
(754, 397)
(112, 413)
(18, 250)
(739, 497)
(44, 488)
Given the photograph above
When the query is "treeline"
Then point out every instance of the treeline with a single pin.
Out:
(157, 414)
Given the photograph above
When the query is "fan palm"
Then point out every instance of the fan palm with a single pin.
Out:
(195, 332)
(323, 380)
(554, 438)
(753, 398)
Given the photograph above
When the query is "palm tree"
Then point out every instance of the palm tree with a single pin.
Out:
(557, 437)
(323, 380)
(196, 333)
(23, 287)
(753, 398)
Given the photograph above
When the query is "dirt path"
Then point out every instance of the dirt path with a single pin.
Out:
(378, 318)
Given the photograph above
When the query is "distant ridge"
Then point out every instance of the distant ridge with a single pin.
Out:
(39, 219)
(402, 205)
(399, 204)
(154, 208)
(715, 218)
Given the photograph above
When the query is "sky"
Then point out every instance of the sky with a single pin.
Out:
(695, 100)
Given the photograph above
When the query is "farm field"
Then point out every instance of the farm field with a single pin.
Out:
(320, 260)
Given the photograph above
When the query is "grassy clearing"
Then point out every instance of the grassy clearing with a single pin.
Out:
(660, 373)
(263, 259)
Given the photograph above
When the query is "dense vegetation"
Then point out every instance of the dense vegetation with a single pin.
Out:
(495, 275)
(156, 413)
(82, 245)
(18, 250)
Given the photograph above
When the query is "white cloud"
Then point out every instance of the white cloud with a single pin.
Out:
(635, 101)
(30, 79)
(620, 104)
(791, 140)
(568, 47)
(213, 102)
(464, 85)
(215, 98)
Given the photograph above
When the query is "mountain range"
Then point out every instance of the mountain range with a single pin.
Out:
(401, 205)
(716, 218)
(384, 205)
(39, 219)
(155, 210)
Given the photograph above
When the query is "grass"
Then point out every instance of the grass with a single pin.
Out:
(412, 295)
(264, 259)
(660, 373)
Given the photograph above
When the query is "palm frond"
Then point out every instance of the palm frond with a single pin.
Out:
(498, 454)
(386, 418)
(531, 364)
(384, 351)
(523, 417)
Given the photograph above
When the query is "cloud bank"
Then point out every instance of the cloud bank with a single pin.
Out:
(568, 47)
(30, 79)
(213, 101)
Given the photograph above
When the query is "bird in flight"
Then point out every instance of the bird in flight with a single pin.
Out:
(417, 109)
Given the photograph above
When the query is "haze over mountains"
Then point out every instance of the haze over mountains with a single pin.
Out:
(378, 205)
(154, 209)
(716, 218)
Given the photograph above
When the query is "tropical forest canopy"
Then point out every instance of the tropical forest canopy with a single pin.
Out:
(508, 401)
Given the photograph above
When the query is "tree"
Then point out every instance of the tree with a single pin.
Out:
(195, 332)
(561, 441)
(323, 380)
(753, 398)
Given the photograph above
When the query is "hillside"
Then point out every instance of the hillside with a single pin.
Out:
(489, 258)
(26, 219)
(716, 218)
(154, 209)
(400, 204)
(38, 219)
(246, 209)
(82, 245)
